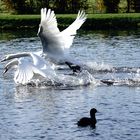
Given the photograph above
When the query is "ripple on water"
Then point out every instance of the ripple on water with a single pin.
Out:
(37, 113)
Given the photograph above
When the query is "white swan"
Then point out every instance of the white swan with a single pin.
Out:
(27, 68)
(30, 65)
(53, 41)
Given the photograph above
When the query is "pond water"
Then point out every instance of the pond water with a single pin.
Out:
(36, 113)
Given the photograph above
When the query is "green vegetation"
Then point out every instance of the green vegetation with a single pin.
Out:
(69, 6)
(34, 6)
(114, 21)
(19, 21)
(94, 21)
(111, 6)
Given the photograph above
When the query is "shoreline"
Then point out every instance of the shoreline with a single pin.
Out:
(93, 22)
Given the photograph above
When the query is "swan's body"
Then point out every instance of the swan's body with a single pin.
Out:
(54, 42)
(26, 68)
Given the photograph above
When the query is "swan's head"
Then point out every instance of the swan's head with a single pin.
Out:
(13, 56)
(7, 57)
(10, 65)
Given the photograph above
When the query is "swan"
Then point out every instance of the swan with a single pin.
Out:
(55, 43)
(27, 66)
(30, 65)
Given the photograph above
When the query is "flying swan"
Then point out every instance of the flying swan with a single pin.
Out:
(53, 41)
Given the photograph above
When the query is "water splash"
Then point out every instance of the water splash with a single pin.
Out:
(65, 81)
(100, 67)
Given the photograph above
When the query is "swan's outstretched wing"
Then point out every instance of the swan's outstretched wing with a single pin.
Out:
(49, 33)
(41, 63)
(25, 71)
(70, 32)
(48, 21)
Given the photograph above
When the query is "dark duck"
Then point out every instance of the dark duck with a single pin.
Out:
(73, 67)
(85, 121)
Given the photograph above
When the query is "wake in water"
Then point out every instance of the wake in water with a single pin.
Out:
(100, 75)
(66, 76)
(102, 68)
(121, 82)
(83, 78)
(109, 75)
(55, 47)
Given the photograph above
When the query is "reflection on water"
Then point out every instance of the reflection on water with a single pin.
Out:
(40, 113)
(8, 34)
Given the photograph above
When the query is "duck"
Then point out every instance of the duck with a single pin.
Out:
(85, 121)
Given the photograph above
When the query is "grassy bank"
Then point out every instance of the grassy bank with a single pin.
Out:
(94, 21)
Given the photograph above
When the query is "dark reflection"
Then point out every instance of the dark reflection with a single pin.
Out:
(21, 33)
(112, 33)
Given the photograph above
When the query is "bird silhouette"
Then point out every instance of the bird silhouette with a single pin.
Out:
(85, 121)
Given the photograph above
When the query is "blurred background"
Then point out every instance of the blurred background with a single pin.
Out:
(69, 6)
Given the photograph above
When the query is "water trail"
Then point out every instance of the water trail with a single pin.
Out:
(65, 81)
(121, 82)
(102, 67)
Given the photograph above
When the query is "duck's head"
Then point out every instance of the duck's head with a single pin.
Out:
(92, 112)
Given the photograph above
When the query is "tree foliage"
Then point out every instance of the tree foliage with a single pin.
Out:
(69, 6)
(137, 5)
(111, 6)
(133, 6)
(33, 6)
(26, 6)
